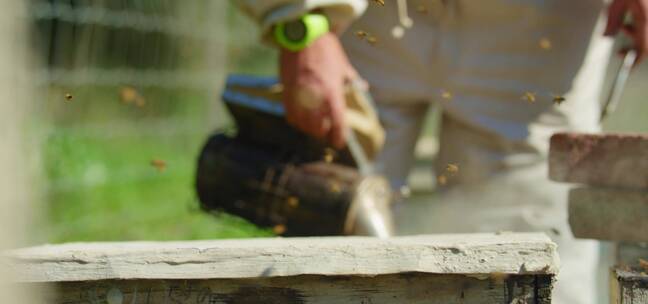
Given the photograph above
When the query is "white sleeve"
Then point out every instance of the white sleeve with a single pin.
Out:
(269, 12)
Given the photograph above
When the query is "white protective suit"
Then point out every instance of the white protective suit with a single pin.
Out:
(487, 54)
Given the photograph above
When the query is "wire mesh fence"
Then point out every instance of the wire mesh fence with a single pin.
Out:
(129, 93)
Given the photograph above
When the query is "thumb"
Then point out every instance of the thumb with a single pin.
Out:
(616, 16)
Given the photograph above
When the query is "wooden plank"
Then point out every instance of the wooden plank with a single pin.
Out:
(600, 160)
(609, 214)
(395, 288)
(524, 253)
(628, 286)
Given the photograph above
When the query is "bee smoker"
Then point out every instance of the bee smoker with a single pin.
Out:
(275, 176)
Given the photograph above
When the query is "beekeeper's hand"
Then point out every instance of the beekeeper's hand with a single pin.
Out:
(314, 82)
(637, 30)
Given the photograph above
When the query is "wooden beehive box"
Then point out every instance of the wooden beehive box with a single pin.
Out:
(463, 268)
(611, 202)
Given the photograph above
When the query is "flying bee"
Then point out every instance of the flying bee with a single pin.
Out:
(335, 187)
(442, 180)
(159, 164)
(447, 95)
(329, 155)
(530, 97)
(452, 168)
(279, 229)
(555, 231)
(361, 34)
(558, 99)
(545, 44)
(422, 9)
(380, 2)
(140, 102)
(68, 97)
(365, 35)
(127, 94)
(130, 95)
(293, 202)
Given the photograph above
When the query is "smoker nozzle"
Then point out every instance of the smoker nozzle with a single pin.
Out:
(370, 212)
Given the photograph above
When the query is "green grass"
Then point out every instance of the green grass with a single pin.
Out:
(104, 188)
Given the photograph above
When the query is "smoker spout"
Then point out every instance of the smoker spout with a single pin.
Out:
(370, 212)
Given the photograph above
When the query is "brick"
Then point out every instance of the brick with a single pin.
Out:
(601, 160)
(609, 214)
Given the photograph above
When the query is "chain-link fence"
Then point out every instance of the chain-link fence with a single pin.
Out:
(130, 92)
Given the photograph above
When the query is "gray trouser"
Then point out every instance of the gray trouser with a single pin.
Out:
(488, 54)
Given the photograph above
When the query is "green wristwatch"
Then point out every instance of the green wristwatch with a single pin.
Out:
(298, 34)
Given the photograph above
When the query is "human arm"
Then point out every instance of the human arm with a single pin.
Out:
(637, 30)
(314, 82)
(314, 77)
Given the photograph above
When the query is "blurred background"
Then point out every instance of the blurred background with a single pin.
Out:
(128, 91)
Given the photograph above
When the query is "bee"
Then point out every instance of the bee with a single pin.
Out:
(447, 95)
(159, 164)
(380, 2)
(442, 180)
(276, 88)
(365, 35)
(422, 9)
(558, 99)
(545, 44)
(140, 102)
(129, 94)
(335, 187)
(329, 155)
(555, 231)
(361, 34)
(279, 229)
(530, 97)
(293, 202)
(68, 97)
(452, 168)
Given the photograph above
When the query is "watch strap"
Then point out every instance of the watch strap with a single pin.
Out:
(315, 26)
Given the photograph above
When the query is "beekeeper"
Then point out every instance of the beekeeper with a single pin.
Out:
(506, 75)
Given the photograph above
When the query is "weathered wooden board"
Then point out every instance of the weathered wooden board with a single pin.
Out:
(396, 288)
(461, 268)
(600, 160)
(628, 286)
(526, 253)
(609, 214)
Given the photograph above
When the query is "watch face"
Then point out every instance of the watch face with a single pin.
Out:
(295, 31)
